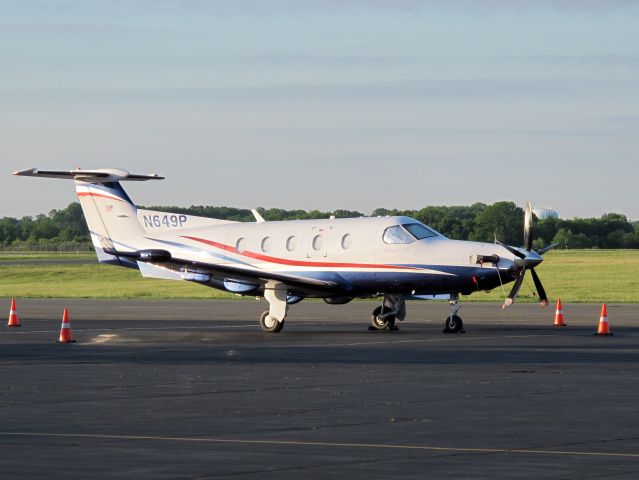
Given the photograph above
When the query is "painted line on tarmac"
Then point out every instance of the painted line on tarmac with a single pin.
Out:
(143, 329)
(413, 340)
(303, 443)
(130, 329)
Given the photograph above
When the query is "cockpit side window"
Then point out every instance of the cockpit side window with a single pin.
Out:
(420, 231)
(396, 234)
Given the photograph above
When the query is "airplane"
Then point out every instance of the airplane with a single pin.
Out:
(394, 258)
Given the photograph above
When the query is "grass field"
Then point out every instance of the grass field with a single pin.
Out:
(582, 276)
(574, 276)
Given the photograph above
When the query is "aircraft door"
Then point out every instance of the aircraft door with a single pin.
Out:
(392, 247)
(318, 242)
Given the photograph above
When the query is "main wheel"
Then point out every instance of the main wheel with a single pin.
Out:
(269, 323)
(381, 323)
(453, 324)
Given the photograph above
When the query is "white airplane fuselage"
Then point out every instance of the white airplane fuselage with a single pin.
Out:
(350, 252)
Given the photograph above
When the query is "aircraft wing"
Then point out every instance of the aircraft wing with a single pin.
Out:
(303, 285)
(160, 263)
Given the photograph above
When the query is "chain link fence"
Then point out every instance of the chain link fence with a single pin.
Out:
(62, 248)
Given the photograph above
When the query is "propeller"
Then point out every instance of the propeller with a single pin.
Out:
(527, 259)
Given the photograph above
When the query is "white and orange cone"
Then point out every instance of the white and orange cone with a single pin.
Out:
(559, 315)
(65, 331)
(604, 327)
(14, 320)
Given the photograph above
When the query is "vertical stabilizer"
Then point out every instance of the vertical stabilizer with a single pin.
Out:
(112, 219)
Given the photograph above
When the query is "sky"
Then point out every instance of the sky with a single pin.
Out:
(325, 104)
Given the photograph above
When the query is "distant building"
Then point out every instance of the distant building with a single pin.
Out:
(543, 213)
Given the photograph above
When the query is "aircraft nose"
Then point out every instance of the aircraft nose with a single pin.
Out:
(524, 258)
(533, 259)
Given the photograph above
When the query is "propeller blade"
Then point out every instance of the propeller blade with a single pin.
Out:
(541, 251)
(528, 227)
(516, 253)
(543, 299)
(515, 290)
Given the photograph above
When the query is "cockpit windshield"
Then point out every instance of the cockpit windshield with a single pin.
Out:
(397, 234)
(408, 233)
(420, 231)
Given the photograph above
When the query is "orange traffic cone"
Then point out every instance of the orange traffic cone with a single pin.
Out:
(603, 328)
(14, 320)
(65, 332)
(559, 315)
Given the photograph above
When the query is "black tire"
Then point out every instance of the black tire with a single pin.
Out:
(453, 324)
(269, 327)
(381, 323)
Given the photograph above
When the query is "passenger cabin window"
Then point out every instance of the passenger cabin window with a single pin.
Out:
(291, 243)
(266, 244)
(318, 241)
(397, 234)
(420, 231)
(240, 245)
(347, 241)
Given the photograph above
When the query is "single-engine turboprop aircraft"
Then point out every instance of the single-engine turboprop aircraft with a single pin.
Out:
(393, 258)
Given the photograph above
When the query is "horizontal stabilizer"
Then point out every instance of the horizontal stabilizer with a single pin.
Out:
(101, 175)
(150, 270)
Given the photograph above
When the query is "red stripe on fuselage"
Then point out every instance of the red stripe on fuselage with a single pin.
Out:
(295, 263)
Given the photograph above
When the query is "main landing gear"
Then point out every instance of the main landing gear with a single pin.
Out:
(272, 320)
(454, 323)
(392, 308)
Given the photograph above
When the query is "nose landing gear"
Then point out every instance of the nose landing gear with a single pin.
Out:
(454, 323)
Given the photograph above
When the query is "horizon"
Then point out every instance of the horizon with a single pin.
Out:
(366, 214)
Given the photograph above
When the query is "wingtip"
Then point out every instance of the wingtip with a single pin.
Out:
(26, 171)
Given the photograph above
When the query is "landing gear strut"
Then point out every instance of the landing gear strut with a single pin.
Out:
(383, 317)
(454, 323)
(272, 320)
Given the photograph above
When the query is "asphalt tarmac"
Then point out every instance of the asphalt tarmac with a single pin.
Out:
(194, 389)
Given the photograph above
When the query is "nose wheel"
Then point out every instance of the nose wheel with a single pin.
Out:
(454, 324)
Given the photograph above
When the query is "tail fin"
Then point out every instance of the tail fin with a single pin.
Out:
(110, 214)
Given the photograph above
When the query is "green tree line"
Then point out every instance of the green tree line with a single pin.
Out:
(479, 222)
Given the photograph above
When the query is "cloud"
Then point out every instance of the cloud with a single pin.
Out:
(315, 59)
(599, 60)
(419, 88)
